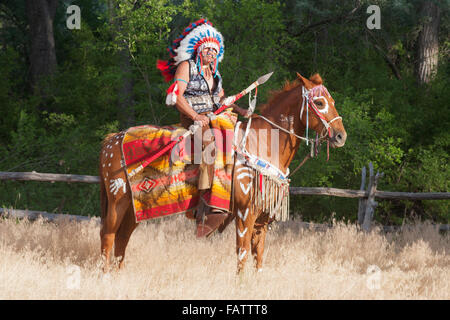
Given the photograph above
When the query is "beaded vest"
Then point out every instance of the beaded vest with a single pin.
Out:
(197, 91)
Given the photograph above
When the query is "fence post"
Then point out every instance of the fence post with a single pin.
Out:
(362, 201)
(371, 203)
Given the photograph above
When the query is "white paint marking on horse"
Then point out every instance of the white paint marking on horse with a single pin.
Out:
(325, 108)
(245, 190)
(103, 165)
(109, 164)
(116, 184)
(117, 142)
(239, 213)
(239, 163)
(111, 155)
(244, 174)
(243, 168)
(242, 254)
(241, 234)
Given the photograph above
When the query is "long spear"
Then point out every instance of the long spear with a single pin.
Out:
(193, 128)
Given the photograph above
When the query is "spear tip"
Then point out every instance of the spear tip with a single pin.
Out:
(264, 78)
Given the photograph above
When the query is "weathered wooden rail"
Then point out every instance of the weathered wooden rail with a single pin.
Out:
(32, 215)
(48, 177)
(348, 193)
(314, 191)
(366, 209)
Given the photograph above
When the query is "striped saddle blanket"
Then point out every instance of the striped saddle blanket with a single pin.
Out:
(168, 185)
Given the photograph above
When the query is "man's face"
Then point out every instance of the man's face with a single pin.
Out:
(208, 55)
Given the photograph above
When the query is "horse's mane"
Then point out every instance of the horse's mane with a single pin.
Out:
(276, 94)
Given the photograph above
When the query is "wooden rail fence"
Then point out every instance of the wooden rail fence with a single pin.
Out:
(366, 196)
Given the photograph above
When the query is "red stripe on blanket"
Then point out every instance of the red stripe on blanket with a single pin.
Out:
(139, 150)
(215, 201)
(161, 211)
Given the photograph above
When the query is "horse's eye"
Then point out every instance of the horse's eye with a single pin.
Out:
(319, 103)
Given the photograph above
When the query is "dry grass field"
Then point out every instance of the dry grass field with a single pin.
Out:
(41, 260)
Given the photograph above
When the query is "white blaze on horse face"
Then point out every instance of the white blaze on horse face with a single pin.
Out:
(242, 217)
(116, 184)
(324, 110)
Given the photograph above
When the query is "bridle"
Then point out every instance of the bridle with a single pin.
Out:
(308, 99)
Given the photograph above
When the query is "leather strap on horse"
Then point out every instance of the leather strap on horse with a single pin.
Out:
(308, 156)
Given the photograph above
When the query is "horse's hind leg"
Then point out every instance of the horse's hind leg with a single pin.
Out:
(111, 223)
(123, 235)
(258, 239)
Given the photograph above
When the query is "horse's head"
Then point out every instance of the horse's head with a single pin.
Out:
(318, 111)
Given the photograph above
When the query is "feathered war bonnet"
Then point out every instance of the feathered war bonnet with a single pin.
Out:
(195, 37)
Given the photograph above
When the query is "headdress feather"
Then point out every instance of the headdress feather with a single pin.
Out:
(196, 36)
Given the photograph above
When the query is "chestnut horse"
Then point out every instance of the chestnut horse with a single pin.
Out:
(285, 110)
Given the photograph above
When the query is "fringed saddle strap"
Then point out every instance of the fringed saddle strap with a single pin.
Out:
(269, 194)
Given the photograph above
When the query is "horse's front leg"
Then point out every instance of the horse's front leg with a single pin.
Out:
(258, 239)
(245, 222)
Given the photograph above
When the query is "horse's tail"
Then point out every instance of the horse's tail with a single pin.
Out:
(103, 195)
(103, 201)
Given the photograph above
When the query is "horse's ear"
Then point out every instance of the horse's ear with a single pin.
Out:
(308, 85)
(316, 79)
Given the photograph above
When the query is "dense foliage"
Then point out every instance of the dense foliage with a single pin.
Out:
(400, 126)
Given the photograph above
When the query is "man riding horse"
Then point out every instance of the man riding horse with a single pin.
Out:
(139, 180)
(196, 93)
